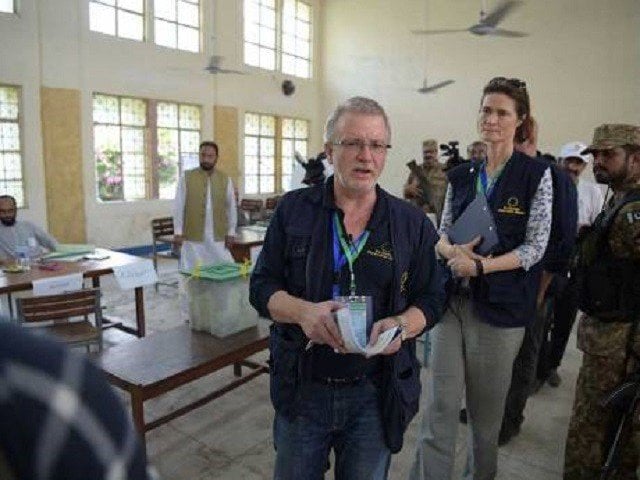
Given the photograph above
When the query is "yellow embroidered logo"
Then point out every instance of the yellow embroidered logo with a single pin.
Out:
(383, 251)
(404, 278)
(512, 207)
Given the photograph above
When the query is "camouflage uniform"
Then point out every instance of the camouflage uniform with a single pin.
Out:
(437, 181)
(603, 368)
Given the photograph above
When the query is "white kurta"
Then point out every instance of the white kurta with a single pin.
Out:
(208, 251)
(590, 200)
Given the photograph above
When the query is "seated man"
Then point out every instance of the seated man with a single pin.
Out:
(16, 234)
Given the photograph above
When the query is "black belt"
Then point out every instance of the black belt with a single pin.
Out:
(340, 382)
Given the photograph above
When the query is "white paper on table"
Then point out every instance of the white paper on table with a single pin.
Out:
(135, 275)
(254, 253)
(70, 259)
(56, 285)
(357, 342)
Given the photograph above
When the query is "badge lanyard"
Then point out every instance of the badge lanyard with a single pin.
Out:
(483, 180)
(350, 250)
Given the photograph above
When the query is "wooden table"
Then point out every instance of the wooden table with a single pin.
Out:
(246, 238)
(149, 367)
(93, 269)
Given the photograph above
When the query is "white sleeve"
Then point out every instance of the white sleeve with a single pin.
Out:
(538, 229)
(178, 207)
(446, 220)
(232, 211)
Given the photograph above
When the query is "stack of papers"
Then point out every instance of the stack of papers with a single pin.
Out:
(69, 250)
(354, 334)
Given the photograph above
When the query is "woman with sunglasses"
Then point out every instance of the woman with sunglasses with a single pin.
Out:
(475, 343)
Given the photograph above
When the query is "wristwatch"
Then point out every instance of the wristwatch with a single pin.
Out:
(403, 324)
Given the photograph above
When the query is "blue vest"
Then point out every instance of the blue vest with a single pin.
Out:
(503, 299)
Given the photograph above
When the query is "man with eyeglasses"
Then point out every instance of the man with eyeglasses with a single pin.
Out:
(19, 236)
(346, 243)
(436, 181)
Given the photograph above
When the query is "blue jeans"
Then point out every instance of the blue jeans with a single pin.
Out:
(345, 418)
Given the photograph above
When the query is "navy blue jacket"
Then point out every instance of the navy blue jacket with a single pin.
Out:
(503, 299)
(564, 226)
(297, 258)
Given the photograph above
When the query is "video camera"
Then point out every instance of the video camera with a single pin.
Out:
(450, 149)
(452, 152)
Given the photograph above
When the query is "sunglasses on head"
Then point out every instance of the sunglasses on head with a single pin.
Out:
(513, 82)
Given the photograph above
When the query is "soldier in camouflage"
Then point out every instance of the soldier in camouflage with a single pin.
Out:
(603, 333)
(436, 178)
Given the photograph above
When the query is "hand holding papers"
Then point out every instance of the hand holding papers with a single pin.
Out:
(353, 328)
(476, 220)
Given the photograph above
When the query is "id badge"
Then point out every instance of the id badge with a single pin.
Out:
(361, 312)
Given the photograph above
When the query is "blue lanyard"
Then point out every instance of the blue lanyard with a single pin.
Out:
(483, 184)
(344, 252)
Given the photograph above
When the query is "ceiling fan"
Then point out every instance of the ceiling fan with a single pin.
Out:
(214, 66)
(488, 24)
(426, 88)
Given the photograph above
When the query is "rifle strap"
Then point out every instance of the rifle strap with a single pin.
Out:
(629, 352)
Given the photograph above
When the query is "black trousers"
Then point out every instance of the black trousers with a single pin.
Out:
(564, 300)
(524, 371)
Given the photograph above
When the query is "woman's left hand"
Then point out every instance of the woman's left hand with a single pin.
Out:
(382, 326)
(463, 266)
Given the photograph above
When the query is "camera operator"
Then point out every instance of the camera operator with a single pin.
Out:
(433, 180)
(452, 152)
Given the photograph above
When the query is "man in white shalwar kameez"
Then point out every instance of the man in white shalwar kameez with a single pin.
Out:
(205, 216)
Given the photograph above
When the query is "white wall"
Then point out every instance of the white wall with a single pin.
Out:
(51, 45)
(20, 66)
(581, 64)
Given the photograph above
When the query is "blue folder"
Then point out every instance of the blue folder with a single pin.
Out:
(476, 219)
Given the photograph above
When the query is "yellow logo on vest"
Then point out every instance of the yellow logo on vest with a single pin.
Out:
(383, 251)
(404, 280)
(512, 207)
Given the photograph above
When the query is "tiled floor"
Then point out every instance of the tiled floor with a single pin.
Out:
(230, 438)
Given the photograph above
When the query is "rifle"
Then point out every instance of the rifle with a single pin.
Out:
(425, 197)
(623, 400)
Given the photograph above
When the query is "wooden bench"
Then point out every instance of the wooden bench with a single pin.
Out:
(149, 367)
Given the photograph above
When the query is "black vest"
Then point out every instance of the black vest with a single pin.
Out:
(503, 299)
(608, 287)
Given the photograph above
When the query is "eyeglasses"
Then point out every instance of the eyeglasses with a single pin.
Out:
(356, 145)
(514, 82)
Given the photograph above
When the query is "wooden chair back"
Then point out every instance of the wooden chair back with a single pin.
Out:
(161, 227)
(253, 207)
(60, 313)
(162, 233)
(272, 202)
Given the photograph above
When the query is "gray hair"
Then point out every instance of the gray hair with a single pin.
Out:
(361, 105)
